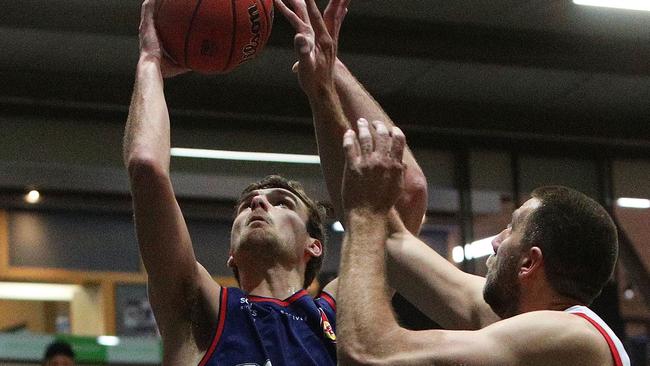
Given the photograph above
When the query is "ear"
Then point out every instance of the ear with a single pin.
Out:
(314, 248)
(231, 262)
(532, 263)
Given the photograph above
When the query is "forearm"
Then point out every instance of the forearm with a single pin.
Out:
(436, 287)
(367, 328)
(329, 125)
(365, 317)
(164, 243)
(357, 103)
(146, 137)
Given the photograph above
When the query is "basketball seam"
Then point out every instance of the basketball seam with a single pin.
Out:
(234, 35)
(189, 32)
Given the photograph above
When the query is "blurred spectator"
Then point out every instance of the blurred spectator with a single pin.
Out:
(58, 353)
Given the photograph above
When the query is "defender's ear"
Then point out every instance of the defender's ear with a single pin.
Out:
(231, 262)
(315, 248)
(531, 263)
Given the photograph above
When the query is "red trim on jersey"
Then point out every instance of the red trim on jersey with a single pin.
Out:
(330, 300)
(286, 302)
(223, 306)
(610, 342)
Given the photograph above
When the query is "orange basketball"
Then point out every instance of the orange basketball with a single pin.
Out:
(213, 36)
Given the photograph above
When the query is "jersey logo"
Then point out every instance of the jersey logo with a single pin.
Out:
(327, 327)
(268, 363)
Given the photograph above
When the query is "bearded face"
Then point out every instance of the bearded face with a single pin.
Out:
(502, 290)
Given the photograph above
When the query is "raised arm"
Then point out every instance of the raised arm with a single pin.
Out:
(175, 279)
(315, 46)
(449, 296)
(355, 102)
(368, 333)
(358, 103)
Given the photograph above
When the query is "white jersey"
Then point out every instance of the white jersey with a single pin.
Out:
(615, 346)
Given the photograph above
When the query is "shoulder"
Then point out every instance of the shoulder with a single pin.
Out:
(558, 337)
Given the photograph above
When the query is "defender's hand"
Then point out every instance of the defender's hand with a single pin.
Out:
(374, 171)
(313, 43)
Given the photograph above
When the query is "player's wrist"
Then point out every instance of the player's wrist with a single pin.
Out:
(367, 212)
(321, 92)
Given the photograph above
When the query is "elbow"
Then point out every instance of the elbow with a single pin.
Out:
(415, 191)
(412, 204)
(144, 168)
(371, 351)
(357, 355)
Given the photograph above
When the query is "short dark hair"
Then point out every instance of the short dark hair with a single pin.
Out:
(578, 239)
(58, 348)
(315, 223)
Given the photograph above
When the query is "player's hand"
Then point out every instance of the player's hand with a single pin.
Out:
(150, 45)
(313, 43)
(374, 172)
(333, 17)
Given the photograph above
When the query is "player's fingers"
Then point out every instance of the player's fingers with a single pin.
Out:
(365, 137)
(398, 144)
(316, 19)
(303, 46)
(330, 16)
(382, 138)
(300, 8)
(293, 19)
(351, 146)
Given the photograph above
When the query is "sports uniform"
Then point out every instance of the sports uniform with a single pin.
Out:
(254, 330)
(615, 346)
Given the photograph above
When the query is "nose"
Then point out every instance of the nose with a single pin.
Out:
(496, 242)
(260, 201)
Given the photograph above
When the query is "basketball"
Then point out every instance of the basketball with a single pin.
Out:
(213, 36)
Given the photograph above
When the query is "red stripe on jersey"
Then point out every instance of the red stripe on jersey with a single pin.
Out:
(610, 342)
(223, 306)
(286, 302)
(330, 300)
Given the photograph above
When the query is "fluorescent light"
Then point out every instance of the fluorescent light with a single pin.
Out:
(468, 251)
(110, 341)
(458, 254)
(338, 227)
(481, 248)
(476, 249)
(36, 291)
(33, 196)
(245, 156)
(633, 202)
(618, 4)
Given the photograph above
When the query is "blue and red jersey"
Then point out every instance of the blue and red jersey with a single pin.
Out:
(254, 330)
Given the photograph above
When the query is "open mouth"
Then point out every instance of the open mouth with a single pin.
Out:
(258, 220)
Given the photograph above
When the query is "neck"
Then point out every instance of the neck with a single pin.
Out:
(545, 299)
(276, 282)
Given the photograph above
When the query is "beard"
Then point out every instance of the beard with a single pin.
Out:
(502, 290)
(262, 245)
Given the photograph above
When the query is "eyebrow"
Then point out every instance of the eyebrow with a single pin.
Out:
(276, 191)
(516, 218)
(287, 194)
